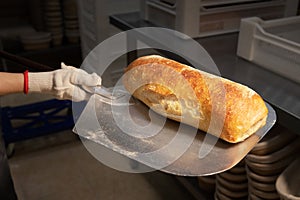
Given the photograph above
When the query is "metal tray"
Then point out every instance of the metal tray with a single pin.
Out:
(162, 144)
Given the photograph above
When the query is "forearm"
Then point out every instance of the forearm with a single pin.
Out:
(65, 83)
(11, 83)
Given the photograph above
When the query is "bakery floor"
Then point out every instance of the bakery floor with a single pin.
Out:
(59, 167)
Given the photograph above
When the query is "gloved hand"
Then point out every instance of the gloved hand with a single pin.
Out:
(65, 83)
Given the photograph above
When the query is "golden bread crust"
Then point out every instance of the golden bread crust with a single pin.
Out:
(213, 104)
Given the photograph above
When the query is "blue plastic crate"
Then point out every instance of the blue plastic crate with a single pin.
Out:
(37, 119)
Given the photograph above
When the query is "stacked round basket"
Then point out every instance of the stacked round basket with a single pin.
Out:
(268, 160)
(255, 176)
(54, 20)
(232, 184)
(71, 23)
(35, 40)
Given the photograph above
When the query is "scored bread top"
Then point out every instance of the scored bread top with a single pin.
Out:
(221, 107)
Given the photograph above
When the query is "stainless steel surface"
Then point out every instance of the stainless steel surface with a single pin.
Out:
(113, 96)
(98, 123)
(106, 93)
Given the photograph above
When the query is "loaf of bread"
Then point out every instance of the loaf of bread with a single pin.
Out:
(218, 106)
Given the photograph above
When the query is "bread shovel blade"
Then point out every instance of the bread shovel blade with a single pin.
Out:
(138, 133)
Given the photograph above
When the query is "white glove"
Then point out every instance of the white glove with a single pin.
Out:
(65, 83)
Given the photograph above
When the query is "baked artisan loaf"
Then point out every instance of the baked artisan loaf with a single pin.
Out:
(211, 103)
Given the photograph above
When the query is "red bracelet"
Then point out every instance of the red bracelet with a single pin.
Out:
(26, 82)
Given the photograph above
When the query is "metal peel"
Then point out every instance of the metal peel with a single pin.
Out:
(98, 123)
(116, 96)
